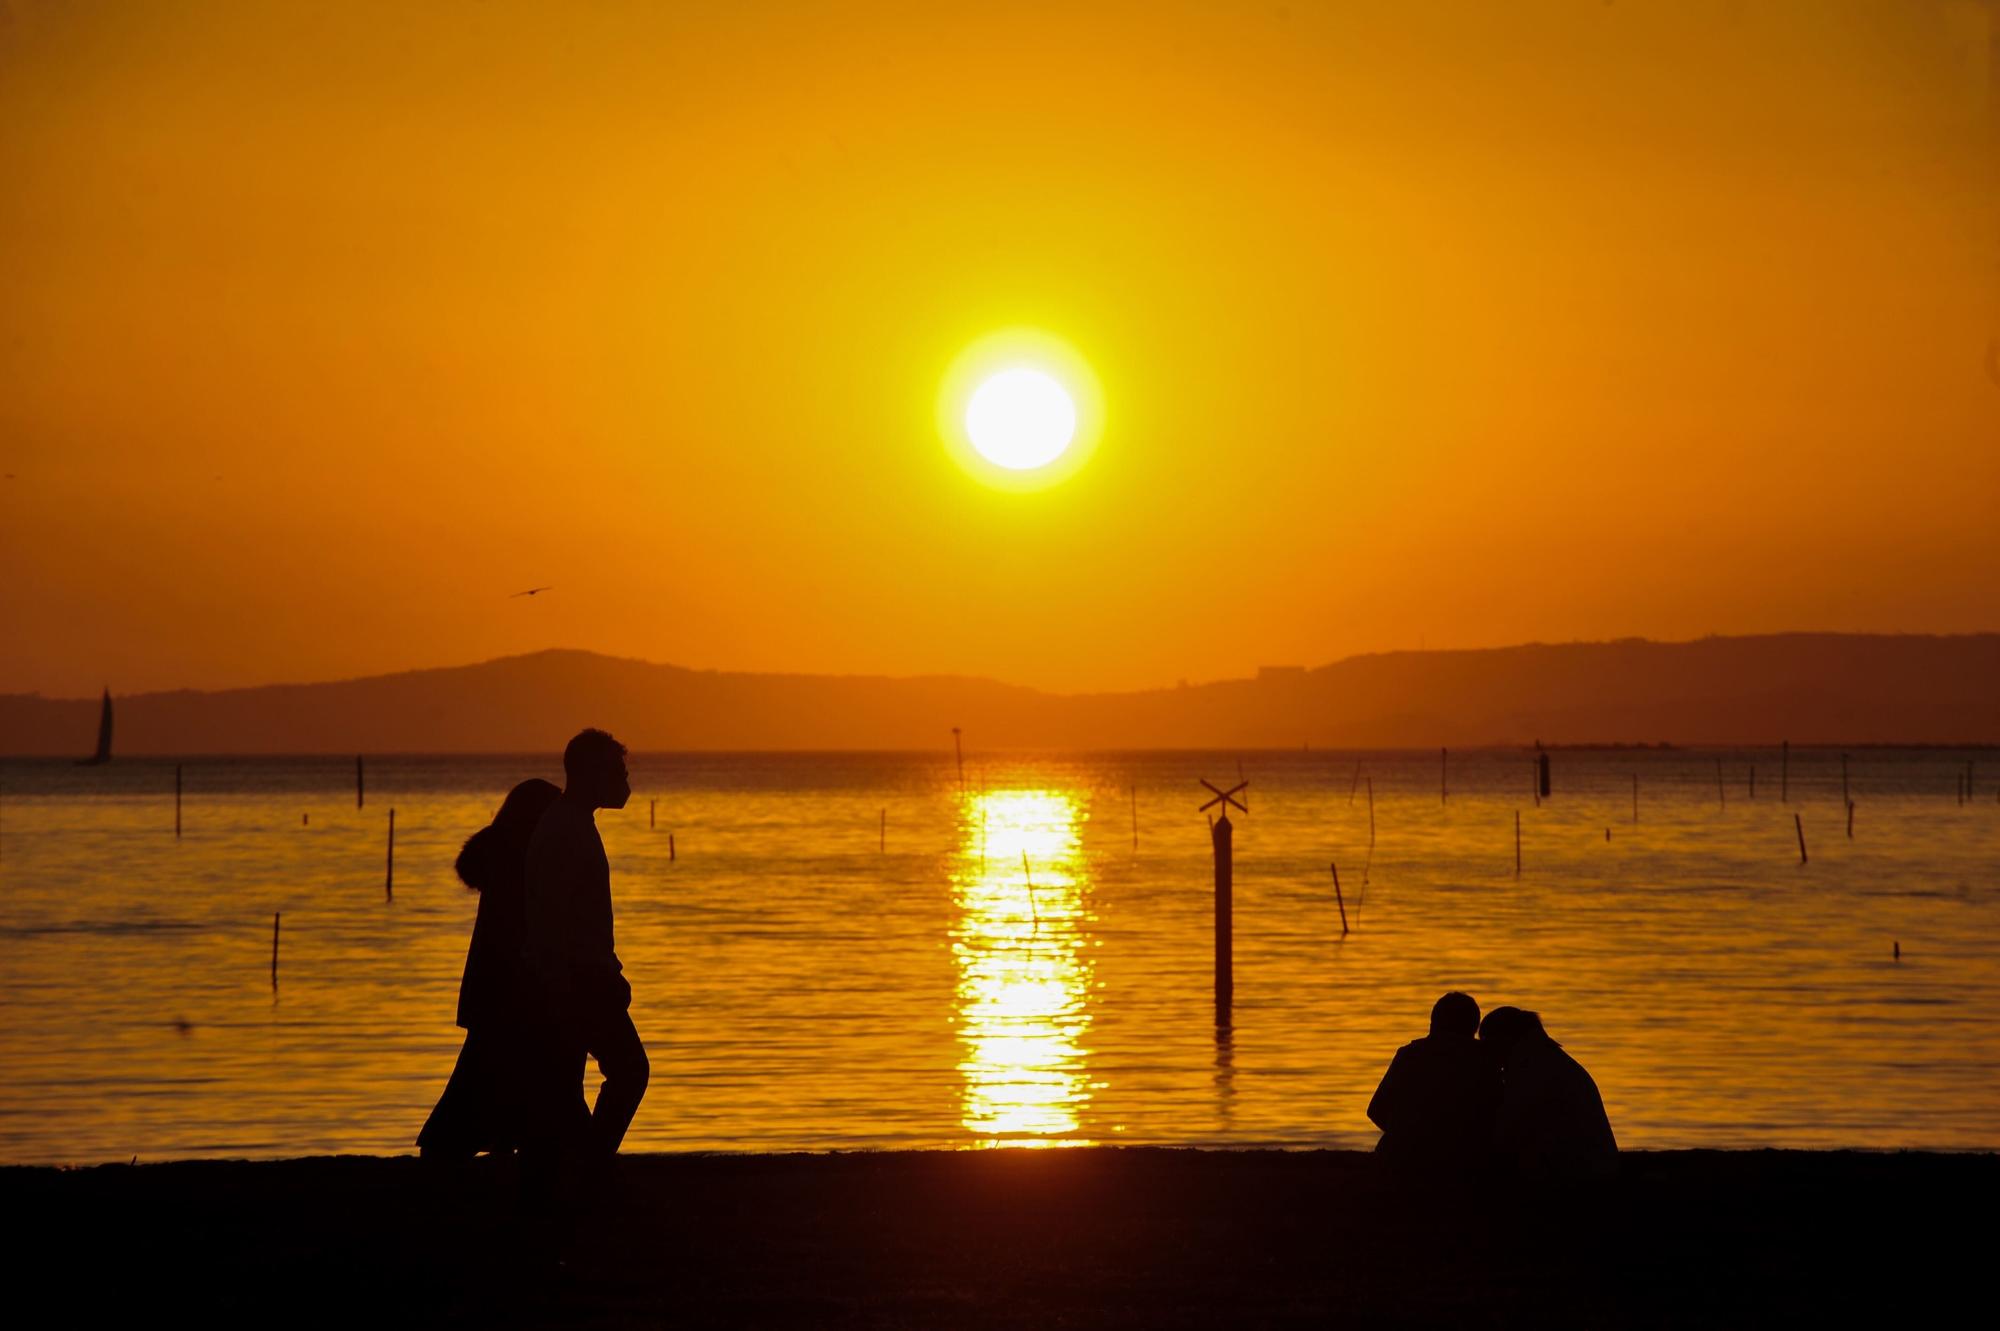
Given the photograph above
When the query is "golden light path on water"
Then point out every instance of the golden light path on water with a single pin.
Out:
(1023, 968)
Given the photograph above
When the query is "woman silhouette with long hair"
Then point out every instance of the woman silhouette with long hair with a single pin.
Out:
(484, 1105)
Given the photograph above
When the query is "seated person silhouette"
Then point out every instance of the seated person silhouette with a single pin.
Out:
(1436, 1103)
(1551, 1123)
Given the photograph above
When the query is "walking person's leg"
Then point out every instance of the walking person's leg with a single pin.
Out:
(622, 1062)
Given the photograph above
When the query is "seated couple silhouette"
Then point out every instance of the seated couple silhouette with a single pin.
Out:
(1477, 1097)
(543, 987)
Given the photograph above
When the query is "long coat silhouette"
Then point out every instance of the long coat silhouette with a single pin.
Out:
(484, 1105)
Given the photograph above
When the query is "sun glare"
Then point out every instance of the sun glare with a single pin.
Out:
(1020, 409)
(1020, 418)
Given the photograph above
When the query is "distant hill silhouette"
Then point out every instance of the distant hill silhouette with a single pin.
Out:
(1805, 687)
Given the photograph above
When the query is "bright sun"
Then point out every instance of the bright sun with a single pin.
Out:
(1020, 419)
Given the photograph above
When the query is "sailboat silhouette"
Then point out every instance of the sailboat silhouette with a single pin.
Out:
(103, 754)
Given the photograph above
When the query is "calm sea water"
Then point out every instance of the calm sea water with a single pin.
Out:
(1003, 966)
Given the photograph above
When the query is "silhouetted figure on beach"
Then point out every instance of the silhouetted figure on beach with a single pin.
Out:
(1437, 1101)
(1551, 1123)
(483, 1107)
(582, 985)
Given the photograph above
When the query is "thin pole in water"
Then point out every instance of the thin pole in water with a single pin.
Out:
(1845, 798)
(357, 781)
(1444, 776)
(1800, 827)
(1135, 817)
(1517, 843)
(1753, 781)
(1033, 908)
(274, 949)
(1850, 820)
(1337, 899)
(884, 846)
(670, 848)
(1635, 799)
(1785, 772)
(652, 815)
(958, 750)
(177, 801)
(1355, 784)
(1721, 797)
(1225, 972)
(389, 879)
(1371, 813)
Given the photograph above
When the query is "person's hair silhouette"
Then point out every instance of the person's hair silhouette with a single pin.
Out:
(1455, 1014)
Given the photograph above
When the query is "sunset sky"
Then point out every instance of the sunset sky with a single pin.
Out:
(325, 327)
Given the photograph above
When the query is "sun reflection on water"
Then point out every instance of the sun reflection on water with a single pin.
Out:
(1023, 973)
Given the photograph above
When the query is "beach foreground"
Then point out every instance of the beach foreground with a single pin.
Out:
(1088, 1237)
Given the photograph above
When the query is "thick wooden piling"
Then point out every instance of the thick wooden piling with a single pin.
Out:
(389, 876)
(1542, 766)
(358, 788)
(1223, 834)
(274, 949)
(1338, 901)
(1800, 827)
(177, 801)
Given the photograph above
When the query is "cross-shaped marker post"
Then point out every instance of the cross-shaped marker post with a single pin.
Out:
(1224, 834)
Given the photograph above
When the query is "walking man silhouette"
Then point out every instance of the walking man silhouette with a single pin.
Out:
(571, 953)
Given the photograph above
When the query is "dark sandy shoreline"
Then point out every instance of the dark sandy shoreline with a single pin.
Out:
(1098, 1237)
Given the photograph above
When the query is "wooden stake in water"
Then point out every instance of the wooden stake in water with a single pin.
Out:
(357, 781)
(1850, 820)
(884, 846)
(1355, 784)
(1721, 797)
(177, 801)
(1845, 798)
(274, 949)
(1753, 781)
(1542, 773)
(958, 751)
(1222, 834)
(1534, 784)
(1801, 829)
(1785, 772)
(652, 815)
(670, 848)
(1338, 901)
(389, 878)
(1517, 843)
(1028, 877)
(1135, 817)
(1635, 799)
(1371, 813)
(1444, 776)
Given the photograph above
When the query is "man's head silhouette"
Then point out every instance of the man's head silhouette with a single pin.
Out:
(1455, 1014)
(594, 771)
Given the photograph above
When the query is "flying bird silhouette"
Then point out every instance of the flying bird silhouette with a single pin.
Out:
(532, 591)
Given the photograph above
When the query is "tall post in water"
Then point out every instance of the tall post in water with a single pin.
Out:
(1371, 813)
(1338, 900)
(1845, 798)
(1785, 772)
(1800, 827)
(274, 949)
(357, 781)
(1135, 817)
(1753, 781)
(1635, 799)
(883, 848)
(1542, 763)
(1721, 797)
(389, 876)
(177, 801)
(1444, 776)
(1517, 843)
(1223, 834)
(1850, 820)
(958, 751)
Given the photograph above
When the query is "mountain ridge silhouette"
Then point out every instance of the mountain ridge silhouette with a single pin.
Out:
(1827, 688)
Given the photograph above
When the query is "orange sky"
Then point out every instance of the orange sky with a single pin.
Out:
(322, 328)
